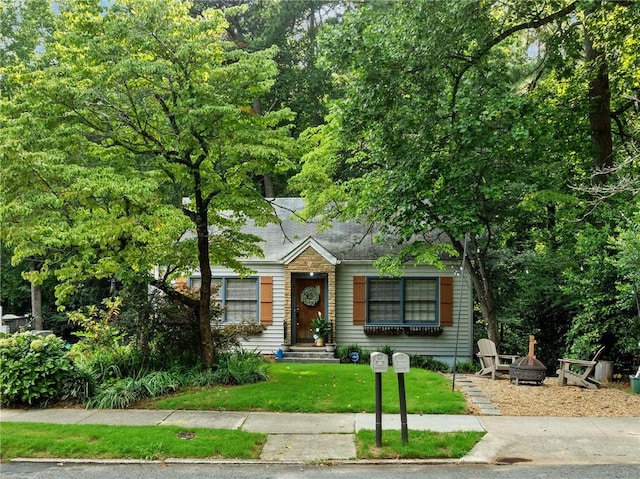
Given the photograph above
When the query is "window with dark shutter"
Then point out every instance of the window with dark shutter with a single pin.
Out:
(359, 300)
(446, 301)
(266, 300)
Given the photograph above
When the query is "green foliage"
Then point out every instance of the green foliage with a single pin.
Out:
(602, 286)
(103, 349)
(428, 363)
(467, 367)
(241, 367)
(320, 326)
(34, 369)
(15, 292)
(344, 353)
(133, 107)
(227, 337)
(96, 325)
(123, 392)
(388, 350)
(430, 137)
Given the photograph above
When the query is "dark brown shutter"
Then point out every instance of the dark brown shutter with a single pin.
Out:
(266, 300)
(359, 300)
(446, 301)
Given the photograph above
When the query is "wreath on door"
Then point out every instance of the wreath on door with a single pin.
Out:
(310, 295)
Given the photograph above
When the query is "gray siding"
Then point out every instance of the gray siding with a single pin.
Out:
(271, 338)
(440, 347)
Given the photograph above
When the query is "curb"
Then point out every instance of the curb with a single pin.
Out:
(329, 462)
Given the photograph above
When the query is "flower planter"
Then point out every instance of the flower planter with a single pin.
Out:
(320, 342)
(635, 384)
(330, 347)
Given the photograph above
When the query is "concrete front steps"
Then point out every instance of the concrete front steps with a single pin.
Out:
(308, 354)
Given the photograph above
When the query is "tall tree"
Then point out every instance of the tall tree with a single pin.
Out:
(449, 124)
(301, 84)
(25, 27)
(139, 129)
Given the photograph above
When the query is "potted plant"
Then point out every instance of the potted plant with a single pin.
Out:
(321, 328)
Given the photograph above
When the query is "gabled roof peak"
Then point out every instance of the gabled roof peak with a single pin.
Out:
(309, 242)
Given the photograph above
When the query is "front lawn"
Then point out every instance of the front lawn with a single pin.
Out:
(323, 388)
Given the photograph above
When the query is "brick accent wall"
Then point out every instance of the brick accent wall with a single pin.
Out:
(309, 261)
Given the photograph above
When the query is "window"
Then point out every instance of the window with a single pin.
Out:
(404, 301)
(238, 297)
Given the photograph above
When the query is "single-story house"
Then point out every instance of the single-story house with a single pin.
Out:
(306, 271)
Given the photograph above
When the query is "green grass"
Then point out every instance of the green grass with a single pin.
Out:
(323, 388)
(421, 445)
(290, 388)
(128, 442)
(75, 441)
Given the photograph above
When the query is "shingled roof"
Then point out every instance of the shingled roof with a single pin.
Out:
(343, 241)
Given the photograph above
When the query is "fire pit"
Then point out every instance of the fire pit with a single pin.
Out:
(528, 368)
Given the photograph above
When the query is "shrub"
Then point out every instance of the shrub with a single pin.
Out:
(121, 393)
(344, 354)
(427, 362)
(35, 371)
(241, 367)
(79, 386)
(467, 367)
(108, 363)
(226, 337)
(117, 394)
(388, 350)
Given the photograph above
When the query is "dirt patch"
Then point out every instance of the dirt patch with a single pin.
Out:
(550, 399)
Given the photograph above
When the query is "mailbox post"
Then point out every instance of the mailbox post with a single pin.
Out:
(379, 364)
(401, 365)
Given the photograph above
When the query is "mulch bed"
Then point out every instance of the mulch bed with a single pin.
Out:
(549, 399)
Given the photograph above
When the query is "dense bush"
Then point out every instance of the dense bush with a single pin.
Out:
(427, 362)
(416, 361)
(35, 371)
(239, 367)
(467, 367)
(344, 354)
(121, 393)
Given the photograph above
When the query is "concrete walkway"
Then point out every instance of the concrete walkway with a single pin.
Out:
(302, 438)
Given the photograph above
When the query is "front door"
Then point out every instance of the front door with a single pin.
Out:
(309, 299)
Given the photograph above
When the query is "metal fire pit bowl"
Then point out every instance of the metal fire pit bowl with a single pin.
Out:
(527, 369)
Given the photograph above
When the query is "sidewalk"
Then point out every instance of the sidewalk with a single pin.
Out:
(542, 440)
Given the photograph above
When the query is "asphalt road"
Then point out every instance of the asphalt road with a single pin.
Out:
(349, 471)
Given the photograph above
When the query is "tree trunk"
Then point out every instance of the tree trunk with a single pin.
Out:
(207, 349)
(599, 110)
(36, 306)
(36, 303)
(201, 219)
(267, 181)
(484, 295)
